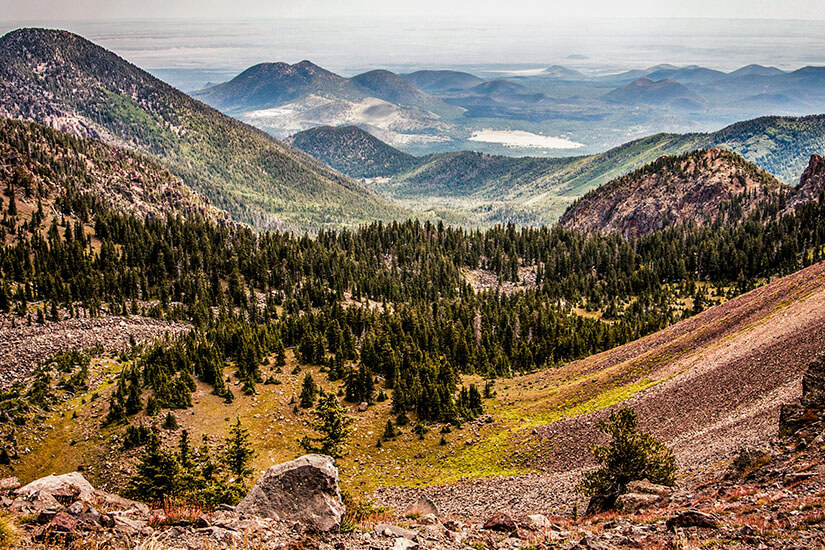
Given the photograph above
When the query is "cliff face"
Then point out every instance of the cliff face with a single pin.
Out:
(812, 182)
(701, 186)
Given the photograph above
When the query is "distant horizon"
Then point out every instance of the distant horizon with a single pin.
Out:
(531, 10)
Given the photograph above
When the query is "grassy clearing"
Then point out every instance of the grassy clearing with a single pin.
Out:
(489, 446)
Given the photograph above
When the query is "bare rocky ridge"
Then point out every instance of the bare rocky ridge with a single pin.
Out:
(673, 190)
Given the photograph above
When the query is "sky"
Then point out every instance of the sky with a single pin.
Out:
(52, 10)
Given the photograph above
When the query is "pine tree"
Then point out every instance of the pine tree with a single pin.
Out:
(170, 422)
(333, 424)
(630, 456)
(390, 431)
(238, 454)
(156, 474)
(309, 390)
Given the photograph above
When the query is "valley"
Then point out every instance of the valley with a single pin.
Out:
(289, 311)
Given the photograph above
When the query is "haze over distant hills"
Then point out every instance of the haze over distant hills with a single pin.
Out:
(471, 187)
(432, 111)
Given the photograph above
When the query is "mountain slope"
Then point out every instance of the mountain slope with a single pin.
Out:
(706, 386)
(49, 164)
(64, 81)
(702, 186)
(352, 151)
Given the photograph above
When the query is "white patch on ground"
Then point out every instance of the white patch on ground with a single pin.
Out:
(520, 138)
(398, 124)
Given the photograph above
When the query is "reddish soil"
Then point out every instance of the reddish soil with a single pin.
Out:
(725, 371)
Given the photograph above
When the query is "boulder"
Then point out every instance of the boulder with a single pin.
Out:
(501, 521)
(693, 518)
(646, 487)
(421, 508)
(64, 488)
(808, 411)
(633, 502)
(304, 490)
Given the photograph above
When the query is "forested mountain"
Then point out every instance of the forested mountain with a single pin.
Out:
(269, 84)
(64, 81)
(352, 151)
(705, 186)
(481, 189)
(54, 166)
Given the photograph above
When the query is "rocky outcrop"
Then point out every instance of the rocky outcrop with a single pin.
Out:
(304, 490)
(812, 182)
(701, 187)
(807, 413)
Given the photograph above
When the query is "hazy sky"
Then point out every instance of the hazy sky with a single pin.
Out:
(51, 10)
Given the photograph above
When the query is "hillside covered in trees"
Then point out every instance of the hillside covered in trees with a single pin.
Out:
(64, 81)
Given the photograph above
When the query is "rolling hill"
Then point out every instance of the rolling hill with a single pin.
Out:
(352, 151)
(442, 81)
(646, 91)
(64, 81)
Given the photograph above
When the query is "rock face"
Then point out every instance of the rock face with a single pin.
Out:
(808, 411)
(304, 490)
(812, 182)
(672, 190)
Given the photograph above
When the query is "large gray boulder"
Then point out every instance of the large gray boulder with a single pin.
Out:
(304, 490)
(66, 488)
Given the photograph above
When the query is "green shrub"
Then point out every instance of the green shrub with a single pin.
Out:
(630, 456)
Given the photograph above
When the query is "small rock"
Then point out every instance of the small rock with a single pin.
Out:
(428, 519)
(536, 522)
(9, 484)
(404, 544)
(363, 406)
(693, 518)
(63, 523)
(453, 525)
(387, 530)
(501, 521)
(76, 508)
